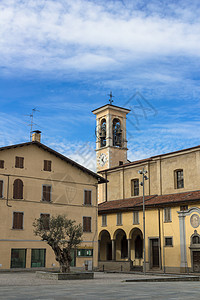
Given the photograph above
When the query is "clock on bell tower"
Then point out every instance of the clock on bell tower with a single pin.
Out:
(111, 143)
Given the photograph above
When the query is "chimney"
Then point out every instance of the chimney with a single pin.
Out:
(36, 136)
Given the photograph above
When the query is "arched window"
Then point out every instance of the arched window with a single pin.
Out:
(103, 133)
(117, 133)
(18, 189)
(195, 239)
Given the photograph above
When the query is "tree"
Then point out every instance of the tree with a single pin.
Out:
(62, 235)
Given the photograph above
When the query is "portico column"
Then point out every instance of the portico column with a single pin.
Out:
(113, 250)
(183, 264)
(99, 250)
(129, 249)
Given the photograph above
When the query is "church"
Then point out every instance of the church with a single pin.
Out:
(148, 210)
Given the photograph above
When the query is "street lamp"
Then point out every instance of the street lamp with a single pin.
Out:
(143, 172)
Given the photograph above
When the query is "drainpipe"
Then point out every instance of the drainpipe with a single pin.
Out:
(8, 181)
(106, 187)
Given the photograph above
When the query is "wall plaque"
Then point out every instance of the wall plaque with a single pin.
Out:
(194, 220)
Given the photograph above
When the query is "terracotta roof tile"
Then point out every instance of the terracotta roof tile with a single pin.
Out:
(153, 200)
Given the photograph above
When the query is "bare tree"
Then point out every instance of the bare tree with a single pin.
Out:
(62, 234)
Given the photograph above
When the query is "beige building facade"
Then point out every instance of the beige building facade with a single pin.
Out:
(172, 199)
(38, 181)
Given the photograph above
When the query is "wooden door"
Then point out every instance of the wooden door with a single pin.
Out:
(155, 253)
(196, 261)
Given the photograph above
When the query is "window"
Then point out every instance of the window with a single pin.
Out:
(18, 189)
(19, 162)
(1, 164)
(179, 182)
(45, 218)
(18, 258)
(85, 252)
(87, 224)
(167, 214)
(120, 163)
(195, 239)
(47, 165)
(46, 193)
(134, 187)
(38, 257)
(87, 197)
(136, 217)
(104, 220)
(1, 188)
(183, 207)
(18, 220)
(119, 219)
(168, 242)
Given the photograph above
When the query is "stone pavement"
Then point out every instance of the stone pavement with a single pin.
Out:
(25, 286)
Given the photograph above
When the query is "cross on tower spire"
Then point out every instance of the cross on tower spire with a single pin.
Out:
(111, 96)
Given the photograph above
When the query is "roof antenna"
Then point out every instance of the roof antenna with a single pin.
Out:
(111, 96)
(31, 122)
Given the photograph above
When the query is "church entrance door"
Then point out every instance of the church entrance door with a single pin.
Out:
(196, 261)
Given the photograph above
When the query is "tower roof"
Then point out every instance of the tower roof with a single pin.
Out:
(110, 106)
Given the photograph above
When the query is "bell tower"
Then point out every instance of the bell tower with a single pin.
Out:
(111, 143)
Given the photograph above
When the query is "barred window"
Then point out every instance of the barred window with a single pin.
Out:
(168, 242)
(179, 181)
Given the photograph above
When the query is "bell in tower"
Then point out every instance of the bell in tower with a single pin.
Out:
(102, 133)
(111, 143)
(117, 133)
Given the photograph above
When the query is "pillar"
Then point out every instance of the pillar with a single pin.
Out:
(113, 250)
(129, 249)
(183, 264)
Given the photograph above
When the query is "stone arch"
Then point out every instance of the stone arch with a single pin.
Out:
(121, 244)
(136, 245)
(105, 245)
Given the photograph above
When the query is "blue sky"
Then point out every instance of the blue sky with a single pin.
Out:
(63, 57)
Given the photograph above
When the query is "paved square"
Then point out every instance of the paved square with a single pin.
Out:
(25, 286)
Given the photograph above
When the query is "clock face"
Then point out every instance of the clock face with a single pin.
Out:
(102, 159)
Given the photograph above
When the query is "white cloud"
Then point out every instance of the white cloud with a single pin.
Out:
(84, 35)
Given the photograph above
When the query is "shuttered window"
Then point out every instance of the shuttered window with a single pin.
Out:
(167, 214)
(136, 217)
(18, 220)
(104, 220)
(47, 165)
(1, 188)
(87, 197)
(19, 162)
(87, 224)
(45, 218)
(46, 193)
(18, 189)
(119, 219)
(1, 164)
